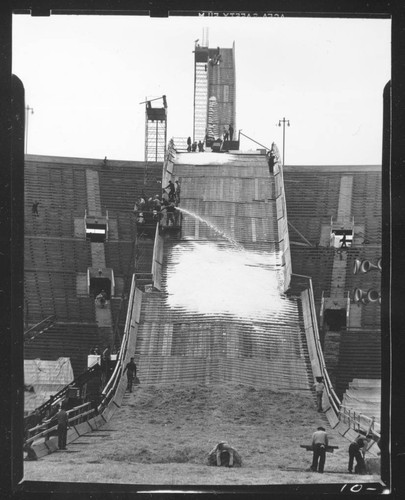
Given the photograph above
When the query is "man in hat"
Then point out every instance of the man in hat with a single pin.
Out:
(319, 444)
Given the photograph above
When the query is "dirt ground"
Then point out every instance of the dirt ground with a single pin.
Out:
(162, 435)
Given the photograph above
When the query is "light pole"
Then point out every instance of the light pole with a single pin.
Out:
(284, 121)
(27, 110)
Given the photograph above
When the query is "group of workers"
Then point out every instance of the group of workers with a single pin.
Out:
(357, 450)
(152, 210)
(193, 146)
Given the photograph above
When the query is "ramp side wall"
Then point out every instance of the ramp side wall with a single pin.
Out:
(284, 239)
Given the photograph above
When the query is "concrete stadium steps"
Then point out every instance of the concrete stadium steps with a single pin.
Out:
(55, 186)
(317, 263)
(368, 206)
(121, 185)
(126, 224)
(144, 255)
(48, 292)
(359, 357)
(56, 253)
(119, 308)
(70, 340)
(120, 256)
(56, 222)
(311, 194)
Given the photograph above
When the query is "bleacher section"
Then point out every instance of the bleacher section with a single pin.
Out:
(360, 357)
(57, 254)
(312, 197)
(122, 183)
(69, 340)
(55, 183)
(55, 292)
(54, 253)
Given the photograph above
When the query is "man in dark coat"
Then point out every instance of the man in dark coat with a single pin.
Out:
(63, 422)
(172, 190)
(130, 368)
(230, 132)
(356, 451)
(35, 208)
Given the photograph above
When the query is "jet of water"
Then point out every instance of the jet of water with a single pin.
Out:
(213, 227)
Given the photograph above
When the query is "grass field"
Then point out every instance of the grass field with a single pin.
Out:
(162, 435)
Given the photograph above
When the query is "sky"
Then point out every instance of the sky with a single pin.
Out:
(85, 77)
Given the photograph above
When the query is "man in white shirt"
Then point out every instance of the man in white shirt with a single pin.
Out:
(319, 445)
(319, 388)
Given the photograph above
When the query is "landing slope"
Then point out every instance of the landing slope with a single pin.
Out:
(161, 435)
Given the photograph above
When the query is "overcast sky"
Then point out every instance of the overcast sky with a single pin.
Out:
(85, 76)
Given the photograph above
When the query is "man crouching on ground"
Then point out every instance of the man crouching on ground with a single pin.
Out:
(224, 455)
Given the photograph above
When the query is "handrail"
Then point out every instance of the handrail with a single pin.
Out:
(322, 308)
(339, 410)
(110, 387)
(50, 319)
(47, 430)
(265, 147)
(348, 309)
(332, 397)
(355, 418)
(111, 383)
(78, 381)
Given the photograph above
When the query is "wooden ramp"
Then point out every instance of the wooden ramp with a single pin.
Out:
(221, 315)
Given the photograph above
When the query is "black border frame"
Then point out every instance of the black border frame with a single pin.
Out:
(11, 241)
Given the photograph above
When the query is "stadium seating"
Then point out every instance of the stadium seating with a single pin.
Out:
(360, 357)
(56, 254)
(69, 340)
